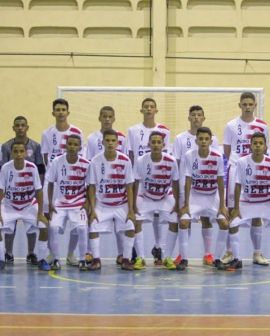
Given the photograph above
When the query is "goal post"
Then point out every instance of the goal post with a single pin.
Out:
(219, 103)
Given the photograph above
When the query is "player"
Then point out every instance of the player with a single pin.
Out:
(111, 198)
(138, 145)
(237, 135)
(53, 144)
(184, 142)
(21, 199)
(33, 154)
(68, 176)
(95, 146)
(155, 172)
(204, 193)
(251, 199)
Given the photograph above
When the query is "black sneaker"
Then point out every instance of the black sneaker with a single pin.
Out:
(182, 265)
(31, 259)
(9, 259)
(219, 265)
(157, 254)
(82, 265)
(56, 265)
(235, 264)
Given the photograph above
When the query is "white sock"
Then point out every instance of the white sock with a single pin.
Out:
(128, 243)
(221, 243)
(256, 237)
(207, 235)
(228, 243)
(235, 244)
(95, 246)
(139, 244)
(119, 242)
(183, 243)
(2, 251)
(170, 243)
(42, 249)
(73, 240)
(82, 241)
(54, 241)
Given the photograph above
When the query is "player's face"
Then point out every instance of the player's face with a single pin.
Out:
(106, 119)
(196, 118)
(110, 142)
(247, 106)
(149, 109)
(60, 112)
(18, 152)
(203, 140)
(20, 128)
(73, 146)
(156, 143)
(258, 146)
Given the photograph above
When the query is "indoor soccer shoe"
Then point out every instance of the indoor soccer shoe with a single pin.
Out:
(56, 265)
(95, 265)
(72, 260)
(9, 259)
(82, 265)
(31, 259)
(119, 259)
(234, 265)
(219, 265)
(227, 258)
(169, 263)
(139, 264)
(2, 265)
(127, 265)
(183, 265)
(43, 265)
(157, 254)
(208, 260)
(88, 258)
(259, 259)
(177, 260)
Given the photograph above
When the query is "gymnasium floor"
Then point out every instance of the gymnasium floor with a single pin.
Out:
(199, 301)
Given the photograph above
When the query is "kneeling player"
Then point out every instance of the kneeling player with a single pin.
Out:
(22, 199)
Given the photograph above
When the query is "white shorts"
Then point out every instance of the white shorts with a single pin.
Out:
(110, 216)
(28, 216)
(249, 211)
(76, 217)
(230, 185)
(147, 208)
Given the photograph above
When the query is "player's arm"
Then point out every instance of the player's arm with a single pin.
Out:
(236, 210)
(222, 209)
(40, 215)
(227, 150)
(130, 199)
(50, 199)
(1, 198)
(131, 156)
(92, 202)
(185, 209)
(136, 190)
(175, 190)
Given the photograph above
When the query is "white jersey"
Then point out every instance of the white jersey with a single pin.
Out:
(70, 181)
(254, 178)
(19, 186)
(111, 178)
(237, 134)
(156, 177)
(95, 146)
(138, 138)
(204, 171)
(53, 142)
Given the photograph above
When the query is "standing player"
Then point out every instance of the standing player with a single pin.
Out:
(237, 135)
(204, 194)
(155, 173)
(68, 176)
(33, 154)
(53, 144)
(95, 146)
(111, 198)
(138, 145)
(21, 193)
(184, 142)
(251, 199)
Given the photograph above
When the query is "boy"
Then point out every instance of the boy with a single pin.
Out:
(184, 142)
(53, 144)
(155, 173)
(111, 198)
(204, 193)
(236, 142)
(33, 154)
(68, 176)
(138, 145)
(251, 199)
(21, 193)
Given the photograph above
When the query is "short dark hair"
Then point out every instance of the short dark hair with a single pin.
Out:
(149, 99)
(195, 108)
(74, 136)
(156, 133)
(204, 130)
(258, 135)
(61, 101)
(17, 143)
(20, 118)
(247, 94)
(110, 132)
(106, 108)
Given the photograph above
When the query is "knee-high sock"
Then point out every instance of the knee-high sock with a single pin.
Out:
(256, 237)
(73, 241)
(170, 243)
(183, 243)
(139, 244)
(95, 247)
(221, 243)
(207, 235)
(128, 243)
(235, 244)
(82, 241)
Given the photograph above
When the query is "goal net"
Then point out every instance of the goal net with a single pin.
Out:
(220, 105)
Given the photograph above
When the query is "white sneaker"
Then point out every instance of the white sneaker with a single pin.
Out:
(259, 259)
(72, 260)
(227, 258)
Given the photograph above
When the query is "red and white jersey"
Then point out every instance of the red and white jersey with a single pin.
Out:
(95, 146)
(19, 186)
(204, 171)
(53, 142)
(254, 178)
(111, 178)
(237, 134)
(70, 181)
(156, 177)
(138, 138)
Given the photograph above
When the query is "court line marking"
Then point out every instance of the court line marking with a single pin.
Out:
(50, 287)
